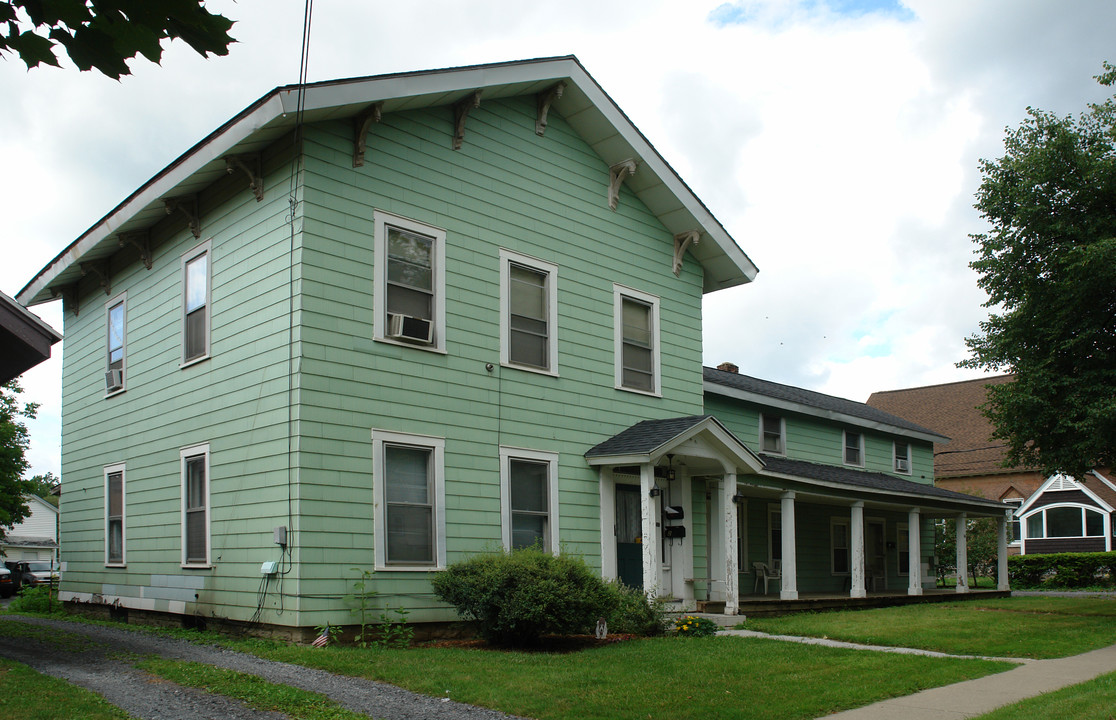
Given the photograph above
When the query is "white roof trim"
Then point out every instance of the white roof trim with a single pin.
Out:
(1026, 507)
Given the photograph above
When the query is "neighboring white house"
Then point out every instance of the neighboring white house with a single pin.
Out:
(36, 537)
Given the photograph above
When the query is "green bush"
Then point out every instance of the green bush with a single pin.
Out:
(694, 626)
(1063, 570)
(635, 613)
(37, 600)
(517, 597)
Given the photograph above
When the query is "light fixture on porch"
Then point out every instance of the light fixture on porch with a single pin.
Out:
(738, 498)
(655, 492)
(670, 467)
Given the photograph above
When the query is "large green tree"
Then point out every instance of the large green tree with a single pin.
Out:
(1049, 268)
(13, 446)
(103, 34)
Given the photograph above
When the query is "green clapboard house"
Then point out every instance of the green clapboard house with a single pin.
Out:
(389, 322)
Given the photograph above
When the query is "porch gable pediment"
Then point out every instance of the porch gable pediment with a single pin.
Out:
(700, 436)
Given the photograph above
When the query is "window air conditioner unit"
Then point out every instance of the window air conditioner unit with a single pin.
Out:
(902, 465)
(114, 380)
(413, 329)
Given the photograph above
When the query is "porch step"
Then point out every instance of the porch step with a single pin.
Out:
(711, 606)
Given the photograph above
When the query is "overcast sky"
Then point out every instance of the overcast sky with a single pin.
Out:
(836, 140)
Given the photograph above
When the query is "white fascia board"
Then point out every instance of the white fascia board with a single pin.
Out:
(764, 400)
(993, 507)
(1026, 507)
(161, 185)
(630, 459)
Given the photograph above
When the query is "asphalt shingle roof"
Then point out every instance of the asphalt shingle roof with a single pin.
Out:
(809, 398)
(860, 478)
(645, 436)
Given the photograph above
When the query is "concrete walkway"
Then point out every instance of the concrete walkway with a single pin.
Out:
(972, 697)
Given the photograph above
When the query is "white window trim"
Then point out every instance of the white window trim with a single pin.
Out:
(895, 458)
(507, 454)
(901, 528)
(381, 220)
(121, 299)
(1015, 503)
(619, 292)
(507, 257)
(205, 248)
(844, 444)
(112, 470)
(438, 446)
(782, 435)
(834, 522)
(190, 452)
(1105, 518)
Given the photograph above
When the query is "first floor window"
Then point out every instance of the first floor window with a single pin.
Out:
(839, 542)
(637, 340)
(114, 515)
(530, 498)
(195, 505)
(410, 505)
(1014, 529)
(774, 536)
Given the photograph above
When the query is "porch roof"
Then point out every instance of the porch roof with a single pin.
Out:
(882, 483)
(649, 440)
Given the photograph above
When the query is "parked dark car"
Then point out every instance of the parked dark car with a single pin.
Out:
(38, 572)
(7, 582)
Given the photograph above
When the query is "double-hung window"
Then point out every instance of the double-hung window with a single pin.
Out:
(410, 287)
(854, 448)
(903, 548)
(409, 489)
(773, 434)
(115, 315)
(528, 312)
(637, 340)
(195, 505)
(114, 515)
(902, 458)
(839, 546)
(196, 315)
(529, 498)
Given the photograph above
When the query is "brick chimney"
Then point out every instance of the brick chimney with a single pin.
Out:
(728, 367)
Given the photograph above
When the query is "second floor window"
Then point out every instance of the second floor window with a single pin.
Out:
(195, 302)
(902, 458)
(114, 375)
(772, 431)
(854, 448)
(637, 340)
(528, 312)
(410, 282)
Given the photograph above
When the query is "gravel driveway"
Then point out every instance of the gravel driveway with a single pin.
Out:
(97, 658)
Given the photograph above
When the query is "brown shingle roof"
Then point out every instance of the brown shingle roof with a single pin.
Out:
(952, 410)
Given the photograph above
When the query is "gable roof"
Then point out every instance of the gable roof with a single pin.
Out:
(953, 408)
(649, 440)
(1094, 485)
(808, 402)
(25, 338)
(583, 104)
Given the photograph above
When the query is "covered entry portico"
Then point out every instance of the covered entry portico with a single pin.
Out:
(715, 511)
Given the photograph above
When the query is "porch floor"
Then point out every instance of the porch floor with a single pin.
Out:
(771, 605)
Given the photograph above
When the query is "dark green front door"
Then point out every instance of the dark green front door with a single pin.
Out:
(629, 540)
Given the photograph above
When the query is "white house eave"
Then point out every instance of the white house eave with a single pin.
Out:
(794, 407)
(726, 266)
(1026, 507)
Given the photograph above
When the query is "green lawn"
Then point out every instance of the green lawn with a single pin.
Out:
(1025, 627)
(1093, 700)
(28, 695)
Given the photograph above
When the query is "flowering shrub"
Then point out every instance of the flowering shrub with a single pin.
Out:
(694, 626)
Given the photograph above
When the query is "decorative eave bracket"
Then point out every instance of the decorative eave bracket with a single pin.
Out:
(252, 165)
(682, 241)
(461, 111)
(188, 206)
(101, 271)
(141, 241)
(543, 102)
(69, 295)
(361, 125)
(616, 175)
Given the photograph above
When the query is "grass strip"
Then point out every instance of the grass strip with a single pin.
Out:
(250, 689)
(29, 695)
(1092, 700)
(1024, 627)
(716, 677)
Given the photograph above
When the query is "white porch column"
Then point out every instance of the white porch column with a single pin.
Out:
(649, 512)
(856, 539)
(962, 554)
(789, 583)
(1002, 580)
(914, 553)
(732, 578)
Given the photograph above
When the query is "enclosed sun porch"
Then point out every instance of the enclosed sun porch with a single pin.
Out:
(731, 529)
